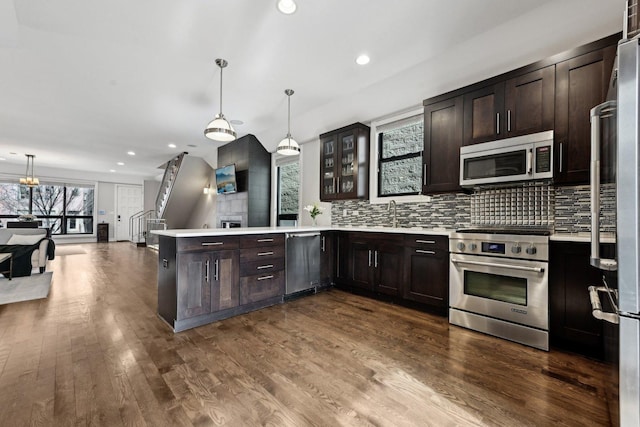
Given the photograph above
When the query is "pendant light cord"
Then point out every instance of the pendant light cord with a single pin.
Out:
(221, 68)
(289, 117)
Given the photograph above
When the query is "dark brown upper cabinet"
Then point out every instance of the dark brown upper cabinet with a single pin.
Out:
(442, 142)
(582, 83)
(344, 163)
(521, 105)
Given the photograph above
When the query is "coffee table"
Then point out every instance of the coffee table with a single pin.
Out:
(4, 257)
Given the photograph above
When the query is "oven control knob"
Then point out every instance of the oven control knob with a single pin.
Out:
(531, 250)
(460, 246)
(516, 249)
(473, 247)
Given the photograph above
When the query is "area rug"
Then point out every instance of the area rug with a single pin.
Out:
(25, 288)
(62, 250)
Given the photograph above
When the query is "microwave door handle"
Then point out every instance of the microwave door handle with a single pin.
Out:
(530, 161)
(595, 117)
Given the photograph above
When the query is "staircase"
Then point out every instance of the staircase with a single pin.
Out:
(169, 178)
(140, 226)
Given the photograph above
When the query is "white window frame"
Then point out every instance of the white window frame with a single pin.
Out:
(374, 167)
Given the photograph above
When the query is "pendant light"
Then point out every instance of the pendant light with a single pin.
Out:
(30, 180)
(288, 146)
(219, 128)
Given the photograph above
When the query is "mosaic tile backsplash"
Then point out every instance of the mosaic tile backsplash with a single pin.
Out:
(563, 209)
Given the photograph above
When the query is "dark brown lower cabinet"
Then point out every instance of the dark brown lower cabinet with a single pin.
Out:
(327, 258)
(572, 326)
(426, 272)
(224, 280)
(376, 262)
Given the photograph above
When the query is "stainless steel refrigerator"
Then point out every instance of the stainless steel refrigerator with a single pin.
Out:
(623, 112)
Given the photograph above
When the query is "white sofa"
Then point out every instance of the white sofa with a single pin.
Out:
(39, 256)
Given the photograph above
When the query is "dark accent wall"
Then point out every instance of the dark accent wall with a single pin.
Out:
(253, 174)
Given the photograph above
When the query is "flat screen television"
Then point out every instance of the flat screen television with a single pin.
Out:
(226, 179)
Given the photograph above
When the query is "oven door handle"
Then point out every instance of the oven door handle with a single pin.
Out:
(507, 266)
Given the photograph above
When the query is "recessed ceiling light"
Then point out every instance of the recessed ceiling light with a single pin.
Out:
(131, 153)
(362, 60)
(120, 164)
(172, 145)
(236, 122)
(191, 145)
(287, 6)
(112, 170)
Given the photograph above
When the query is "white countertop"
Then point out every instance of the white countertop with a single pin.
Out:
(203, 232)
(582, 237)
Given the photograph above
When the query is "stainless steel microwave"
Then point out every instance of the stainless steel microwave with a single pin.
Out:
(522, 158)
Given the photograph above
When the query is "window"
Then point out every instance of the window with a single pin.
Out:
(65, 209)
(399, 148)
(288, 192)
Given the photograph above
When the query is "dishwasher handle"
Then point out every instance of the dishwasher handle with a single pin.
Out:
(311, 234)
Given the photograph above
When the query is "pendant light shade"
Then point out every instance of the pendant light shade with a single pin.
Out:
(288, 146)
(29, 179)
(219, 128)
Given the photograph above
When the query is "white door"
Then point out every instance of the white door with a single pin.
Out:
(128, 203)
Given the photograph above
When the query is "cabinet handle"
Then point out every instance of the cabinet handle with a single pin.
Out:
(560, 161)
(265, 277)
(265, 253)
(206, 271)
(369, 257)
(420, 251)
(530, 162)
(497, 123)
(338, 186)
(264, 240)
(429, 242)
(375, 258)
(424, 174)
(212, 243)
(262, 267)
(508, 120)
(217, 270)
(334, 186)
(322, 240)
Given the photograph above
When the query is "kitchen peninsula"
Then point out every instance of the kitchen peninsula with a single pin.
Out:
(205, 275)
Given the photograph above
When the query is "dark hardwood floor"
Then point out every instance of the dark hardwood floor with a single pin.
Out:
(95, 353)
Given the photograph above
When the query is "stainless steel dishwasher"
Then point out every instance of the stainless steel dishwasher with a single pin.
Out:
(302, 262)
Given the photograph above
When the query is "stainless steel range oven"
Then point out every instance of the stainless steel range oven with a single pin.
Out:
(499, 284)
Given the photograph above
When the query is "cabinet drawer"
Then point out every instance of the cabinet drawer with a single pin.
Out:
(260, 240)
(427, 242)
(211, 243)
(261, 286)
(261, 266)
(262, 253)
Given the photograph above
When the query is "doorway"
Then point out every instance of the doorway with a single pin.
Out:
(128, 203)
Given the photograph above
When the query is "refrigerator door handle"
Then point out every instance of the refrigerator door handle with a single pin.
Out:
(597, 113)
(596, 306)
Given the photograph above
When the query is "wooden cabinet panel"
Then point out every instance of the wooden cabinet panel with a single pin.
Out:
(224, 280)
(529, 102)
(261, 287)
(581, 84)
(207, 243)
(262, 266)
(360, 254)
(426, 272)
(327, 258)
(342, 264)
(572, 325)
(387, 263)
(442, 142)
(262, 253)
(194, 295)
(482, 114)
(260, 240)
(344, 163)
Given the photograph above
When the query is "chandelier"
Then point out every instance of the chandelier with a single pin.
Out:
(29, 180)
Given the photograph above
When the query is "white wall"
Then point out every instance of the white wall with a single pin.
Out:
(310, 183)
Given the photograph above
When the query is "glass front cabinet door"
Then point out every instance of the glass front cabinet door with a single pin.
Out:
(344, 163)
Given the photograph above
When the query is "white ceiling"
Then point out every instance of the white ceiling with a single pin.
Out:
(83, 82)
